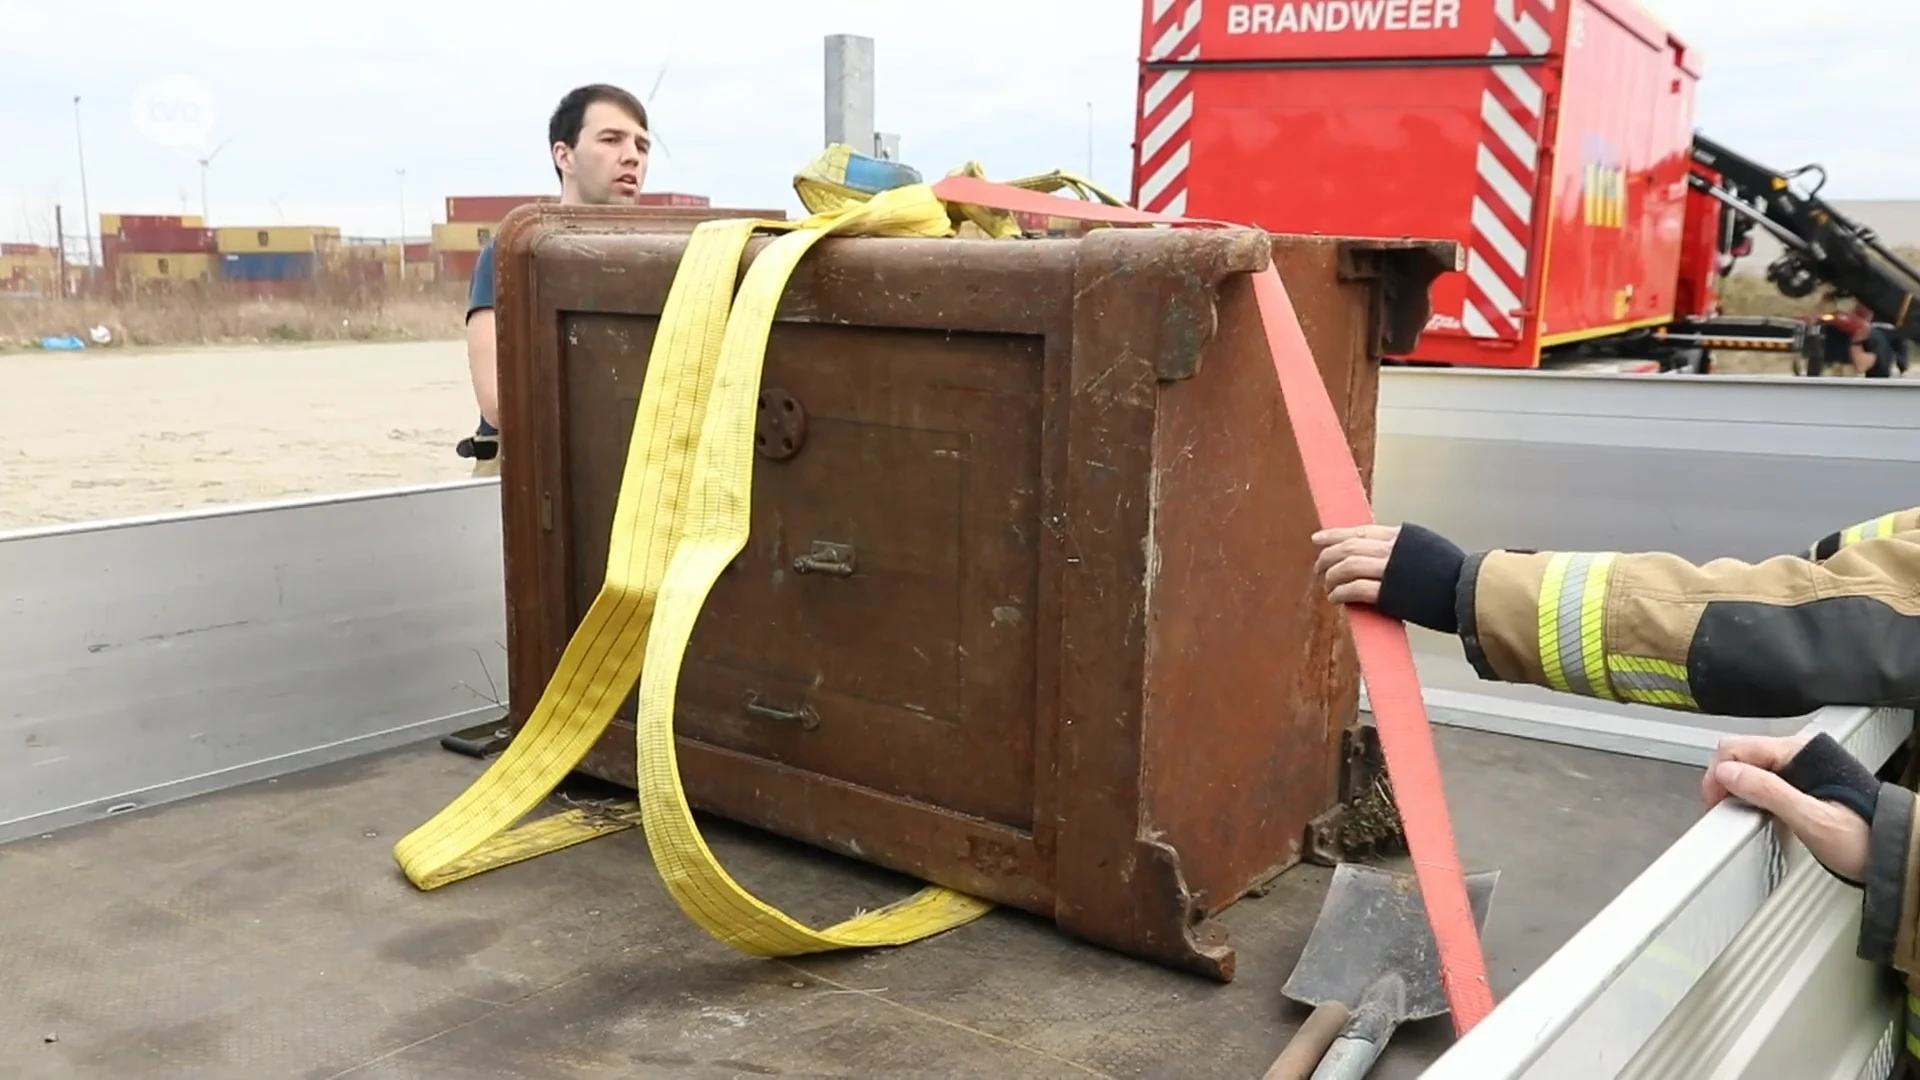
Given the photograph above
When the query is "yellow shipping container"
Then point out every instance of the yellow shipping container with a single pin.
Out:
(360, 251)
(462, 236)
(45, 259)
(144, 266)
(274, 239)
(28, 272)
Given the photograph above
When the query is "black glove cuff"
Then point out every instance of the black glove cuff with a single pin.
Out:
(1419, 583)
(1824, 770)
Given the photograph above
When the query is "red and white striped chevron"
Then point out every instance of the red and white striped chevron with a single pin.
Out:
(1512, 110)
(1165, 128)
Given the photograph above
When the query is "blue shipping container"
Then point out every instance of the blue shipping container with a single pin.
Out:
(267, 266)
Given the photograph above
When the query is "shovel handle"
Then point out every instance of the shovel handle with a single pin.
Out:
(1348, 1058)
(1303, 1051)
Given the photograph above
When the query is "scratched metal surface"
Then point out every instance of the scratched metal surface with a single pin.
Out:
(159, 658)
(263, 931)
(1703, 466)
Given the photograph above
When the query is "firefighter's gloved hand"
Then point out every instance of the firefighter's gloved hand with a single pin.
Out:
(1810, 784)
(1823, 769)
(1408, 572)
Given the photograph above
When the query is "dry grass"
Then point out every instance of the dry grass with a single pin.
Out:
(421, 311)
(406, 312)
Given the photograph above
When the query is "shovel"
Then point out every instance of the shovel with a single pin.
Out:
(1371, 957)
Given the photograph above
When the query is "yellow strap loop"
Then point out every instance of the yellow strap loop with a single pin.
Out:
(681, 517)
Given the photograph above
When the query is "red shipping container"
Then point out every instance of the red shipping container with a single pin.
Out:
(23, 249)
(458, 265)
(672, 198)
(1552, 140)
(418, 253)
(165, 240)
(150, 221)
(484, 209)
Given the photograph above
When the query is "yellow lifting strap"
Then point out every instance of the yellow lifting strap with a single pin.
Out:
(681, 517)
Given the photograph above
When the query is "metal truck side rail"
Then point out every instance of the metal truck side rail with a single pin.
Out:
(1703, 950)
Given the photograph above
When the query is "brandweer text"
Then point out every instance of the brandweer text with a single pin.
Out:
(1335, 16)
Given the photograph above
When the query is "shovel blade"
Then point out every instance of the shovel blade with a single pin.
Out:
(1372, 923)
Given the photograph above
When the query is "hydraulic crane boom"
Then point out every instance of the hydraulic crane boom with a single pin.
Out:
(1822, 246)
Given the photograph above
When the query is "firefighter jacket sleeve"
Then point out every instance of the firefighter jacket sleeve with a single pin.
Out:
(1903, 521)
(1775, 638)
(1890, 905)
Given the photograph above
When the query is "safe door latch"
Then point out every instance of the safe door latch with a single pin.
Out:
(826, 558)
(760, 709)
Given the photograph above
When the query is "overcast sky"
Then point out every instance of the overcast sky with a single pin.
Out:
(315, 106)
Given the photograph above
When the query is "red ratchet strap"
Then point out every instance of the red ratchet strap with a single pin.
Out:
(1386, 658)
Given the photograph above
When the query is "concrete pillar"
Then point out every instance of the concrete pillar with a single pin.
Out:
(850, 91)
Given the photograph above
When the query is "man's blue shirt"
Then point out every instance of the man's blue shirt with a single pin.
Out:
(480, 292)
(480, 298)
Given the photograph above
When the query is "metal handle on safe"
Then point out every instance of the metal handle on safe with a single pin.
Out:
(804, 715)
(826, 558)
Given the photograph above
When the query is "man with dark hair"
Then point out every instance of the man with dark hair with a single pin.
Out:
(599, 140)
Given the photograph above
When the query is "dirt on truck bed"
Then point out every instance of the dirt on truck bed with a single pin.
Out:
(265, 932)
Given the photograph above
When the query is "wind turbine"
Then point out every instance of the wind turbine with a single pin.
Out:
(206, 161)
(653, 95)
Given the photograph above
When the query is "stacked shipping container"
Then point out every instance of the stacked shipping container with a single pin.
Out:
(378, 260)
(273, 252)
(147, 251)
(472, 219)
(29, 268)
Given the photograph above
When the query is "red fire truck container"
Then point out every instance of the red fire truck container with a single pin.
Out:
(1551, 138)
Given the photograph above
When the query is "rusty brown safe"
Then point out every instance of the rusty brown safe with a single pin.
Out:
(1027, 609)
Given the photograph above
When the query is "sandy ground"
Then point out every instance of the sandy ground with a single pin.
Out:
(109, 433)
(116, 433)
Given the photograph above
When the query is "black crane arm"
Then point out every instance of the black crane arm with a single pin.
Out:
(1822, 246)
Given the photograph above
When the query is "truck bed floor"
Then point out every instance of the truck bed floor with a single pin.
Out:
(265, 932)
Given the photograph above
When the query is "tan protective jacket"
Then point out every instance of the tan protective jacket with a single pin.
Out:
(1783, 637)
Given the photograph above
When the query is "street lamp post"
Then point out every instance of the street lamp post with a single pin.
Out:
(86, 209)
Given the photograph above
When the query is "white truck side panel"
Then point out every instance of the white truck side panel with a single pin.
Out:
(154, 659)
(1703, 466)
